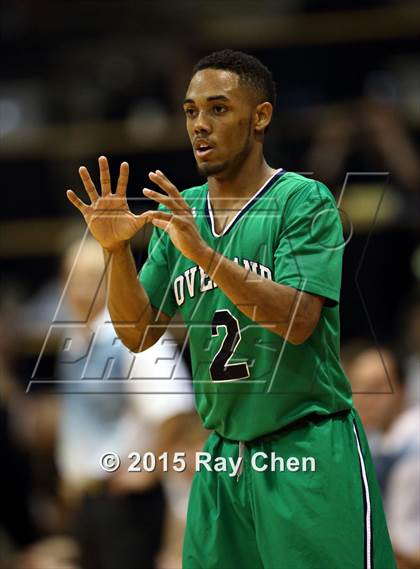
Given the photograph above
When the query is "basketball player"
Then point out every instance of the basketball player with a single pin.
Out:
(252, 260)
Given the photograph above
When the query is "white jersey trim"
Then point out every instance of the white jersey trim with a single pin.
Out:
(247, 204)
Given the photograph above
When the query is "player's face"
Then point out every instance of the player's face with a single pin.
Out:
(219, 112)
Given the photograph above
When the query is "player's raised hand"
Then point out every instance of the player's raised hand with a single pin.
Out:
(179, 224)
(108, 216)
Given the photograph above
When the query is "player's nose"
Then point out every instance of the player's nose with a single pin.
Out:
(201, 123)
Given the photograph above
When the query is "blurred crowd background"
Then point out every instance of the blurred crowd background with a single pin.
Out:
(81, 79)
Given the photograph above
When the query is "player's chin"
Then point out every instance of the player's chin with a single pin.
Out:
(210, 168)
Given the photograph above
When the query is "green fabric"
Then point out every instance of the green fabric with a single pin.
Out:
(288, 520)
(290, 232)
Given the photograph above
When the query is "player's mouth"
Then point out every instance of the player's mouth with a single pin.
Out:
(202, 149)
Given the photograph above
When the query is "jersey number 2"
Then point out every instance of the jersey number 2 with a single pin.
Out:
(220, 368)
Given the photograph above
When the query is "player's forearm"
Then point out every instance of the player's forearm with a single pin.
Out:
(128, 304)
(279, 308)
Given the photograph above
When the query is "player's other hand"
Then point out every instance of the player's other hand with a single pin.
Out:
(179, 224)
(108, 216)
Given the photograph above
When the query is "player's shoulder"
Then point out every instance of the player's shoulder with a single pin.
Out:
(196, 195)
(301, 188)
(195, 192)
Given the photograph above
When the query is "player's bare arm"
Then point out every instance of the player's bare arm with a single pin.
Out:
(113, 225)
(282, 309)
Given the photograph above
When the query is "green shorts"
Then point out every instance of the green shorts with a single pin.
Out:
(307, 498)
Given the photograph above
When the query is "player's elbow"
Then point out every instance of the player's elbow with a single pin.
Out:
(296, 335)
(303, 328)
(128, 341)
(140, 344)
(306, 319)
(300, 335)
(135, 340)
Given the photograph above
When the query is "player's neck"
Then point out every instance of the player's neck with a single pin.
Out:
(241, 184)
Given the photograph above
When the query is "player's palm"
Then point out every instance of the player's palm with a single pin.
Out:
(110, 221)
(108, 216)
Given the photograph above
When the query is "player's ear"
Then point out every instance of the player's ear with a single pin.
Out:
(263, 114)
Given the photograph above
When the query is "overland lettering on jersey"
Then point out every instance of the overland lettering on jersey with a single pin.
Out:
(194, 280)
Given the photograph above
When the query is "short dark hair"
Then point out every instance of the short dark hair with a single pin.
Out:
(250, 70)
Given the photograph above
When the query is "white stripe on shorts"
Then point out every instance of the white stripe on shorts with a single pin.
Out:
(368, 527)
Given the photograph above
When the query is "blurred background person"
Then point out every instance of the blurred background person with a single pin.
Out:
(17, 526)
(118, 518)
(378, 382)
(27, 513)
(409, 341)
(374, 172)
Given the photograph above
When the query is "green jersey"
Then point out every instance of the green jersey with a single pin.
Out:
(249, 381)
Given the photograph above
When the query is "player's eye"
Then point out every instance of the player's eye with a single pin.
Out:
(189, 111)
(219, 109)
